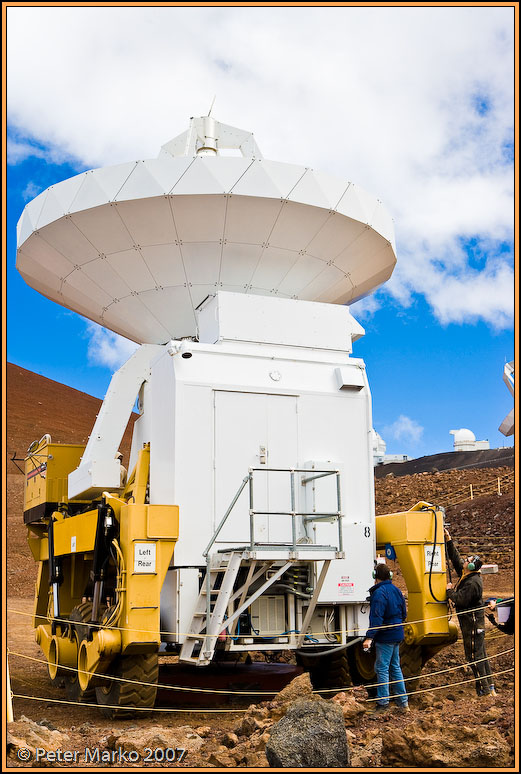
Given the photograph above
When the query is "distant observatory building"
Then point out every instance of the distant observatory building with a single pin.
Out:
(379, 449)
(465, 440)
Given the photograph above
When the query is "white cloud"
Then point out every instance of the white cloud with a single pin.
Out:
(30, 191)
(456, 291)
(415, 104)
(404, 429)
(20, 150)
(106, 348)
(366, 307)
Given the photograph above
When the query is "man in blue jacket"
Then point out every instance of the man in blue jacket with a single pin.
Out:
(386, 616)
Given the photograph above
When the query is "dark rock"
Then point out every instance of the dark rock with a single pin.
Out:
(311, 734)
(47, 724)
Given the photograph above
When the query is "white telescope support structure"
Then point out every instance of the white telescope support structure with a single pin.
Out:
(507, 425)
(99, 468)
(205, 137)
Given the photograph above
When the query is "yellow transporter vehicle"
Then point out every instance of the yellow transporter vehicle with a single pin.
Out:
(101, 568)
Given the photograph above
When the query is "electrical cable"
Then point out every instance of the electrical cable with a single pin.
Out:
(433, 511)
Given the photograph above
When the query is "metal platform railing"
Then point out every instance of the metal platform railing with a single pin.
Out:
(306, 516)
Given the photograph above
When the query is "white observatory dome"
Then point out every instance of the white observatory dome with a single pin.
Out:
(137, 247)
(464, 439)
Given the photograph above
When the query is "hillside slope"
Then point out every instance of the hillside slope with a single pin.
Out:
(37, 405)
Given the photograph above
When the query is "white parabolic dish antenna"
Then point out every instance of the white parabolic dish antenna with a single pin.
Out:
(137, 247)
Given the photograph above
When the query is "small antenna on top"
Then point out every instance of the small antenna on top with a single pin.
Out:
(211, 106)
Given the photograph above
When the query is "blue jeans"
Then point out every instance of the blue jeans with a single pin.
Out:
(388, 669)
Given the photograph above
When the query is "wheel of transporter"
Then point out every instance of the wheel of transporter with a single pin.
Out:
(335, 668)
(141, 670)
(361, 667)
(79, 617)
(332, 671)
(411, 661)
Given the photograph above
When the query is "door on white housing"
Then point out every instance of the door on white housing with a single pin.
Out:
(260, 431)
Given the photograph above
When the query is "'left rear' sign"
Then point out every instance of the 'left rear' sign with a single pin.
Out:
(144, 557)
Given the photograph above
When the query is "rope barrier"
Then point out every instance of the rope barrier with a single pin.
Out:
(221, 711)
(256, 693)
(133, 709)
(154, 685)
(477, 490)
(348, 632)
(491, 485)
(449, 685)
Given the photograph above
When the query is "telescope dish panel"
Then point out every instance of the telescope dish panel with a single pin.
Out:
(103, 274)
(64, 236)
(269, 178)
(301, 274)
(217, 178)
(148, 221)
(165, 263)
(100, 186)
(30, 217)
(296, 226)
(166, 170)
(52, 209)
(137, 247)
(140, 184)
(40, 253)
(318, 189)
(320, 286)
(241, 228)
(173, 308)
(239, 262)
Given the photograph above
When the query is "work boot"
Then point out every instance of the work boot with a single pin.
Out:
(377, 709)
(403, 708)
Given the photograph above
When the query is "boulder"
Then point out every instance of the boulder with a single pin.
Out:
(159, 737)
(444, 746)
(299, 688)
(26, 733)
(311, 734)
(369, 756)
(350, 707)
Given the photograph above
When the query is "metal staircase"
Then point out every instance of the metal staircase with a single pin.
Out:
(217, 599)
(215, 610)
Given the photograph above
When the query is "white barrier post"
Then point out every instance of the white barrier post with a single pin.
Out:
(10, 715)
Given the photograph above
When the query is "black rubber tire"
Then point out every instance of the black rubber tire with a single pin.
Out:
(429, 651)
(59, 679)
(79, 616)
(411, 661)
(331, 672)
(361, 665)
(125, 697)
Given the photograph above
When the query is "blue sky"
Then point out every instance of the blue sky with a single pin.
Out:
(416, 105)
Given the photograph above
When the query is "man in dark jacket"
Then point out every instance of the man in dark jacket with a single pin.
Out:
(467, 596)
(386, 615)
